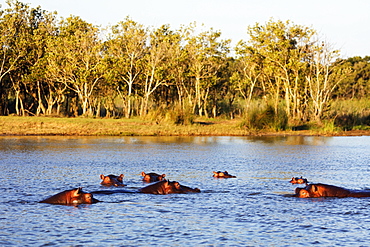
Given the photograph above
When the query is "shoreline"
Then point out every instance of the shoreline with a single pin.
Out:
(56, 126)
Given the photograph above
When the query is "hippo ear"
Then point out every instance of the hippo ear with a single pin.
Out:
(76, 192)
(314, 188)
(120, 178)
(163, 175)
(143, 174)
(101, 176)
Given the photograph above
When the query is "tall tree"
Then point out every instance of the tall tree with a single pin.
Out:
(357, 83)
(159, 61)
(284, 47)
(248, 71)
(124, 53)
(38, 85)
(74, 59)
(323, 78)
(206, 56)
(14, 41)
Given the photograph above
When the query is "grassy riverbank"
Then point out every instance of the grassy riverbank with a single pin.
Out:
(13, 125)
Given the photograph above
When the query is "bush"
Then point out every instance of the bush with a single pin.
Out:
(266, 118)
(345, 121)
(174, 115)
(348, 114)
(180, 116)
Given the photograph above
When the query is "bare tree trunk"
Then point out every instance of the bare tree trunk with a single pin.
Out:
(40, 107)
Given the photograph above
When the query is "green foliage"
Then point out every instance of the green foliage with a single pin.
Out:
(181, 116)
(357, 82)
(351, 114)
(266, 118)
(329, 126)
(173, 76)
(172, 115)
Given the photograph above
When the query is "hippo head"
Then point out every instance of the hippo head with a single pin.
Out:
(224, 174)
(112, 180)
(166, 187)
(322, 190)
(298, 180)
(152, 177)
(308, 191)
(71, 197)
(302, 193)
(80, 197)
(176, 187)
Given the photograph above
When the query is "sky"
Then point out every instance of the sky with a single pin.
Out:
(342, 23)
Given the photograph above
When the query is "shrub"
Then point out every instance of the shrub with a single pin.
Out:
(180, 116)
(348, 114)
(266, 118)
(174, 115)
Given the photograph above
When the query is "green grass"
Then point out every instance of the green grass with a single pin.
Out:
(350, 114)
(345, 118)
(12, 125)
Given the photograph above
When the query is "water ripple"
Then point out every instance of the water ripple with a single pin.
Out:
(254, 209)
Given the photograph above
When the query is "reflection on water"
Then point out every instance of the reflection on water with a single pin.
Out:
(250, 210)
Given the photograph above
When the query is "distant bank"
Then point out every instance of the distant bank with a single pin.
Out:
(44, 126)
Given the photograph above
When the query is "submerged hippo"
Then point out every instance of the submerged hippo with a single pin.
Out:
(166, 187)
(224, 174)
(112, 180)
(298, 180)
(325, 190)
(71, 197)
(152, 177)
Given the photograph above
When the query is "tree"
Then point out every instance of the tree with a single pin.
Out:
(284, 48)
(248, 71)
(124, 53)
(74, 59)
(159, 61)
(14, 41)
(38, 85)
(323, 78)
(206, 57)
(356, 84)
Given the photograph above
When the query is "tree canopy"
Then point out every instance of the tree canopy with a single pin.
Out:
(70, 67)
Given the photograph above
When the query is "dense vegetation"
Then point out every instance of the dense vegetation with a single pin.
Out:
(284, 75)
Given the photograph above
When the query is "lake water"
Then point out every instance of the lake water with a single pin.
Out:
(254, 209)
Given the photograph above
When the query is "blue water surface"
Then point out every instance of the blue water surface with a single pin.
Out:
(254, 209)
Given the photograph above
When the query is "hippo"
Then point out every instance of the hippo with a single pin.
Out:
(325, 190)
(186, 189)
(166, 187)
(71, 197)
(224, 174)
(296, 180)
(152, 177)
(112, 180)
